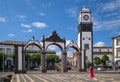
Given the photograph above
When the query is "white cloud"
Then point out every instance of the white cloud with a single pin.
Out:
(2, 19)
(99, 44)
(113, 5)
(39, 24)
(70, 51)
(111, 14)
(58, 53)
(71, 28)
(107, 25)
(73, 12)
(68, 41)
(11, 35)
(46, 5)
(53, 47)
(29, 4)
(41, 14)
(29, 30)
(25, 25)
(118, 33)
(21, 16)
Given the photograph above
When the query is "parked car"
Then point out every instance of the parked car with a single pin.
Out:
(101, 69)
(69, 68)
(37, 68)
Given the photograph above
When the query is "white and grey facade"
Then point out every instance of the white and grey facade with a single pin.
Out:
(98, 51)
(85, 36)
(7, 50)
(116, 49)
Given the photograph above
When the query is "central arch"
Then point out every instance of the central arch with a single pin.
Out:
(54, 39)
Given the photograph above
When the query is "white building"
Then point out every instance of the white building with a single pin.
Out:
(7, 47)
(116, 49)
(97, 52)
(100, 51)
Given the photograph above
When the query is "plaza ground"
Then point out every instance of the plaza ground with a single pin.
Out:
(71, 76)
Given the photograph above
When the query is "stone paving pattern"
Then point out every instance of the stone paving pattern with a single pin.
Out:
(65, 77)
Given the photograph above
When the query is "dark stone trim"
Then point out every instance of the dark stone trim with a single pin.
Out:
(16, 58)
(113, 48)
(16, 61)
(92, 45)
(54, 38)
(116, 37)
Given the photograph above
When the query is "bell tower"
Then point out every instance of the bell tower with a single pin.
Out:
(85, 36)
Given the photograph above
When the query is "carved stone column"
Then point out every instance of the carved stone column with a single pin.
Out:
(43, 62)
(79, 62)
(19, 60)
(64, 62)
(83, 59)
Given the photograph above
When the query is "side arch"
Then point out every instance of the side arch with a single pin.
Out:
(33, 42)
(77, 59)
(74, 45)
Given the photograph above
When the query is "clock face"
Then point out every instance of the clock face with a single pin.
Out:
(85, 17)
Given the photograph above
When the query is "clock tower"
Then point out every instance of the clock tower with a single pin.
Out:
(85, 37)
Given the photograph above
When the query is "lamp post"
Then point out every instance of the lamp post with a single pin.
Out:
(3, 56)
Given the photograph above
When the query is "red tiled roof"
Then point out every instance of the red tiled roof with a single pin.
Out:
(13, 43)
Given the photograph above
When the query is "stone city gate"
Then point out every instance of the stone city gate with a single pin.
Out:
(53, 39)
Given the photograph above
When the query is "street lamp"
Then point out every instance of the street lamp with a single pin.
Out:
(3, 56)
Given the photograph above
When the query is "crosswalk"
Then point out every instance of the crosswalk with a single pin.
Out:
(65, 78)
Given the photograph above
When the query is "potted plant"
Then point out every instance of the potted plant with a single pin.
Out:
(7, 78)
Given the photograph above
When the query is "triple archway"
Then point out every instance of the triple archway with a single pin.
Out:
(54, 39)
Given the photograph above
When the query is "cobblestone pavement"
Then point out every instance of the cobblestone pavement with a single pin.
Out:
(65, 77)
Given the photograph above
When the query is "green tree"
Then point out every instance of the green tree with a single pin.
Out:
(53, 58)
(88, 63)
(104, 59)
(12, 55)
(27, 56)
(1, 59)
(36, 57)
(97, 60)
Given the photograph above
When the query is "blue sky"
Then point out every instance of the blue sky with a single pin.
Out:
(22, 19)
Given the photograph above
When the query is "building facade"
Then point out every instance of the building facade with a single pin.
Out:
(116, 49)
(8, 48)
(98, 52)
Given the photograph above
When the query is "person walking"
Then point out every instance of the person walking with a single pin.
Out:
(91, 72)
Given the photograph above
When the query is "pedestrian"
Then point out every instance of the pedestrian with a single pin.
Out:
(91, 72)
